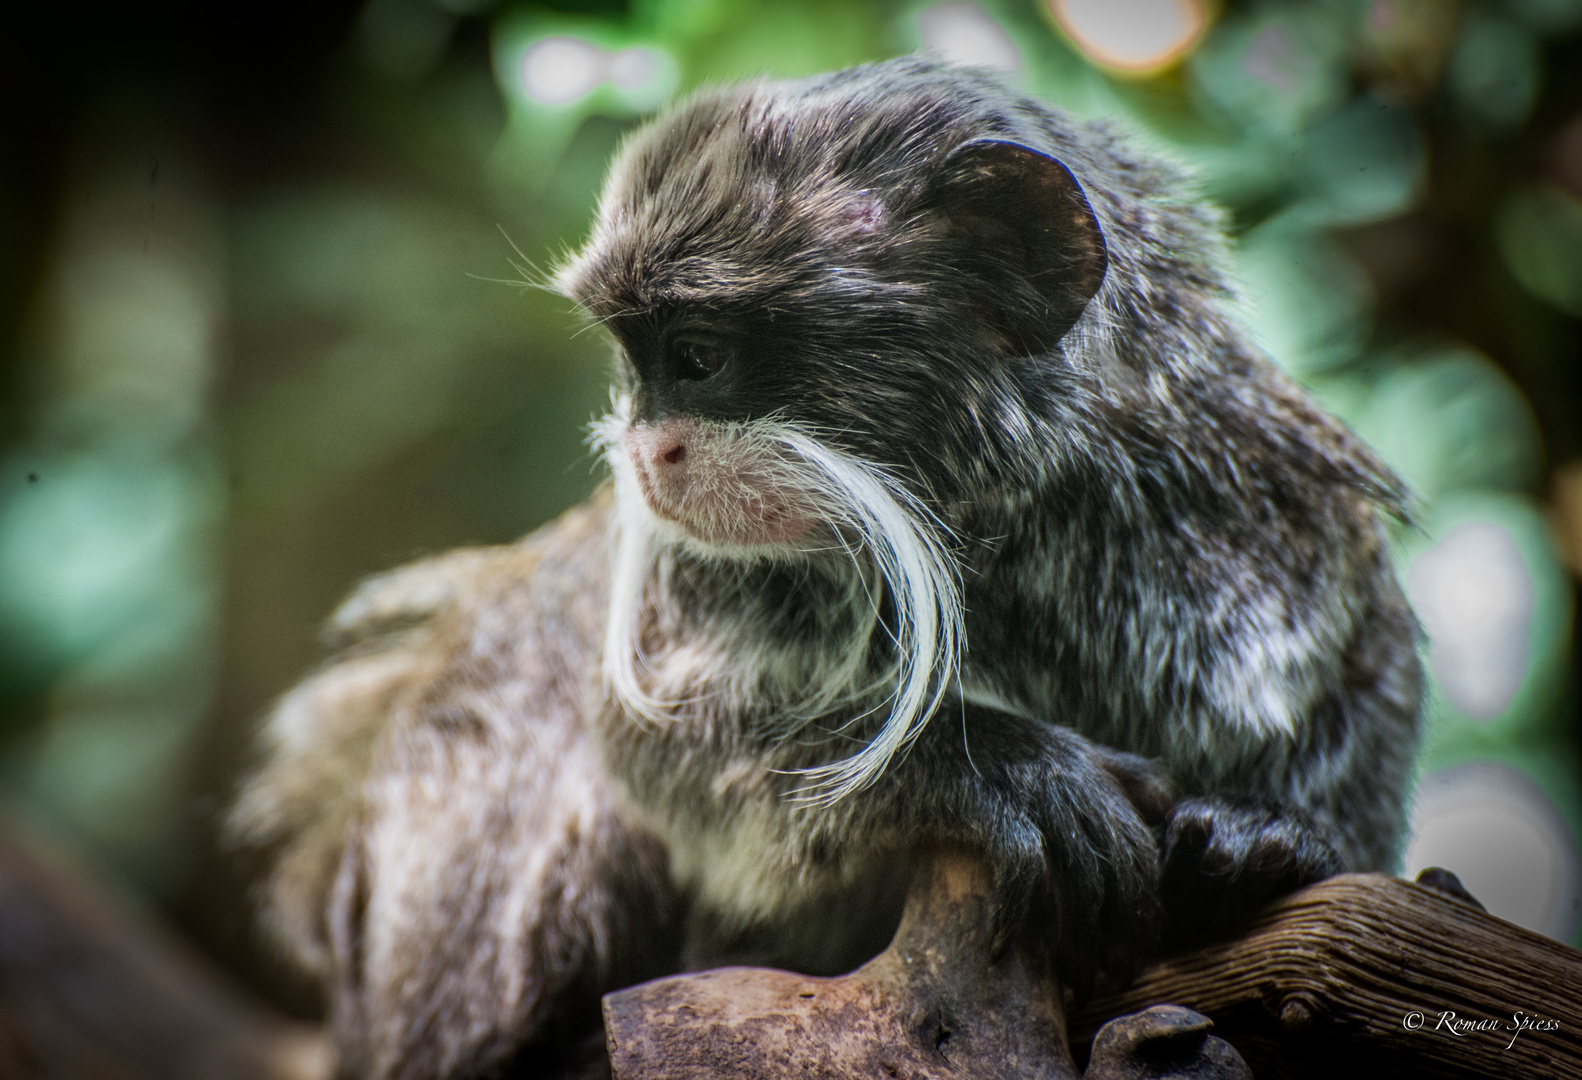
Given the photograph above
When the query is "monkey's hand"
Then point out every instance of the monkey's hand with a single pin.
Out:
(1065, 824)
(1225, 858)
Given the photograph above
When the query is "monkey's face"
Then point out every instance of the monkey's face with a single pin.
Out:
(806, 304)
(740, 420)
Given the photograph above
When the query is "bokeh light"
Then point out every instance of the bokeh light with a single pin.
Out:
(1132, 35)
(1505, 840)
(1475, 599)
(1540, 235)
(560, 70)
(964, 33)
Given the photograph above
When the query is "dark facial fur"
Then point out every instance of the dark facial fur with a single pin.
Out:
(950, 503)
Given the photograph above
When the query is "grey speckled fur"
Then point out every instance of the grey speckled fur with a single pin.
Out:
(1164, 551)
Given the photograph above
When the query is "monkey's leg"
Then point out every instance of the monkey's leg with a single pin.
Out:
(490, 891)
(1063, 823)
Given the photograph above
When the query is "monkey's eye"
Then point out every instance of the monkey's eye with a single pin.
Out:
(697, 360)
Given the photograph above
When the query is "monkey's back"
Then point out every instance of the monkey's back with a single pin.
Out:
(449, 725)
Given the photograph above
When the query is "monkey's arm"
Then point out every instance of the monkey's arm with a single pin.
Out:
(1066, 825)
(1328, 798)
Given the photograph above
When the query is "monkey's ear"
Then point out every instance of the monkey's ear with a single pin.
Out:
(1025, 228)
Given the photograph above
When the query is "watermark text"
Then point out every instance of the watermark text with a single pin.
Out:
(1451, 1023)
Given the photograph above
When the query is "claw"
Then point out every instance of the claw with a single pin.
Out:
(1016, 880)
(1224, 860)
(1145, 786)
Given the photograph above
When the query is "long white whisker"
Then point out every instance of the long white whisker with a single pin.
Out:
(903, 538)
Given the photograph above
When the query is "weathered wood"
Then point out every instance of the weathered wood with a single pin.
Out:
(1352, 976)
(90, 993)
(935, 1005)
(1328, 982)
(926, 1007)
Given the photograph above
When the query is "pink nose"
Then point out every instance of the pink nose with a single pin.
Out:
(659, 448)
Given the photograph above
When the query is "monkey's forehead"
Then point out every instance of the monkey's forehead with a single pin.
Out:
(758, 185)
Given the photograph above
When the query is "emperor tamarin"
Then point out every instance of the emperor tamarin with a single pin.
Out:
(950, 503)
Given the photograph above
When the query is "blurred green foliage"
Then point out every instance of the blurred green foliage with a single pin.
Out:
(255, 371)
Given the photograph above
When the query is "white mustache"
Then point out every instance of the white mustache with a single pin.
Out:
(894, 542)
